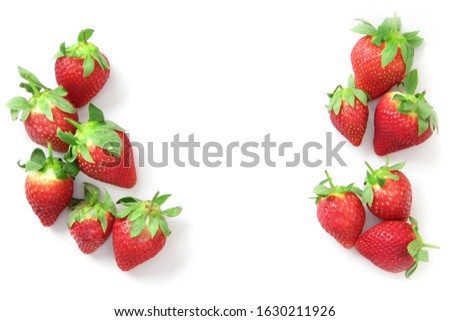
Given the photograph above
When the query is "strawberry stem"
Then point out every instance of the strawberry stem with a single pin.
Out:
(154, 199)
(329, 179)
(84, 38)
(430, 246)
(370, 168)
(73, 123)
(50, 153)
(421, 95)
(33, 87)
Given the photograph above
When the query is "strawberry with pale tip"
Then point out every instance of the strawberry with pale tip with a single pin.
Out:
(44, 112)
(49, 185)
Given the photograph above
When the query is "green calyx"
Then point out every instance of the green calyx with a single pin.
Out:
(349, 94)
(49, 166)
(389, 33)
(415, 249)
(415, 104)
(86, 51)
(323, 191)
(378, 177)
(91, 207)
(147, 214)
(43, 99)
(95, 131)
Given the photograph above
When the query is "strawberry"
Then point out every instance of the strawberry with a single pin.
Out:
(101, 150)
(381, 59)
(387, 192)
(82, 69)
(44, 112)
(90, 222)
(348, 111)
(140, 230)
(49, 185)
(394, 246)
(340, 211)
(403, 119)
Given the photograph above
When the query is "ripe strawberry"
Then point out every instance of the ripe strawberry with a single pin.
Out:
(101, 150)
(49, 185)
(381, 59)
(403, 119)
(82, 69)
(340, 211)
(394, 246)
(387, 192)
(44, 112)
(140, 230)
(90, 222)
(348, 111)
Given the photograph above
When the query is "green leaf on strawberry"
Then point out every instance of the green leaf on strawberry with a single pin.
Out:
(415, 104)
(164, 226)
(126, 211)
(415, 249)
(162, 199)
(147, 214)
(43, 99)
(95, 114)
(411, 82)
(32, 79)
(378, 177)
(86, 51)
(50, 166)
(364, 28)
(172, 212)
(85, 35)
(128, 201)
(71, 169)
(91, 207)
(349, 95)
(96, 131)
(323, 191)
(389, 33)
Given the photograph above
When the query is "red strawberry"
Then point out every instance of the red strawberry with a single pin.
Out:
(140, 230)
(90, 222)
(340, 211)
(394, 246)
(381, 59)
(387, 192)
(348, 112)
(49, 185)
(44, 112)
(82, 69)
(101, 150)
(403, 119)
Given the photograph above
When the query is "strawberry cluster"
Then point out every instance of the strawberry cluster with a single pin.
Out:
(394, 245)
(382, 59)
(98, 148)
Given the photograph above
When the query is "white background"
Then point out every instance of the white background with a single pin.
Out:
(226, 71)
